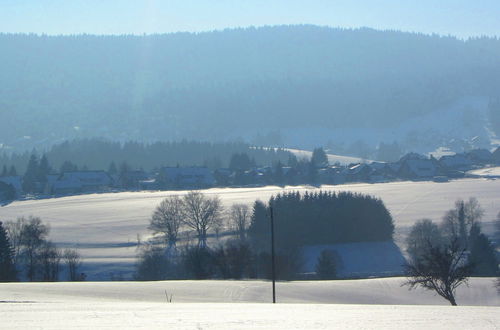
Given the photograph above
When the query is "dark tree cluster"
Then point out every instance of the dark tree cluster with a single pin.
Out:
(8, 272)
(27, 253)
(7, 191)
(98, 154)
(442, 257)
(241, 162)
(36, 174)
(322, 218)
(234, 259)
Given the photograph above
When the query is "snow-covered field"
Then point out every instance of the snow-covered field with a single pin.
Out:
(105, 227)
(332, 159)
(487, 172)
(136, 315)
(353, 304)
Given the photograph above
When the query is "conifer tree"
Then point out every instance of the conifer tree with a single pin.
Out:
(482, 253)
(68, 166)
(31, 175)
(325, 267)
(43, 169)
(7, 267)
(319, 158)
(112, 169)
(12, 171)
(278, 174)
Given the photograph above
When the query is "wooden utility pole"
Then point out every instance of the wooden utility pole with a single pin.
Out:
(273, 267)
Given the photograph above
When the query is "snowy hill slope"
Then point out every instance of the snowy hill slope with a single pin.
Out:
(239, 305)
(368, 291)
(104, 227)
(332, 159)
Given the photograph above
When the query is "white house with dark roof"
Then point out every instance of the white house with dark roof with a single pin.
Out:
(359, 172)
(480, 156)
(418, 169)
(81, 181)
(66, 186)
(186, 176)
(456, 162)
(495, 156)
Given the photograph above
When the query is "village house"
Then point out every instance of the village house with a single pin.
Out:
(81, 181)
(456, 162)
(495, 156)
(332, 175)
(359, 173)
(480, 156)
(185, 177)
(417, 167)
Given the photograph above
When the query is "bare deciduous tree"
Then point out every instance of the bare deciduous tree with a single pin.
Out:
(497, 225)
(423, 234)
(32, 236)
(153, 264)
(441, 269)
(201, 214)
(49, 259)
(239, 219)
(458, 221)
(167, 219)
(14, 229)
(73, 261)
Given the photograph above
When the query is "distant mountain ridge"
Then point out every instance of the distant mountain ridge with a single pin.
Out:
(235, 83)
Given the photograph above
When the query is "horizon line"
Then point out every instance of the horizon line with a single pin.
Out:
(256, 27)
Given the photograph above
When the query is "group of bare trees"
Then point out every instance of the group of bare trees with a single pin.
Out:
(34, 256)
(199, 213)
(204, 215)
(442, 257)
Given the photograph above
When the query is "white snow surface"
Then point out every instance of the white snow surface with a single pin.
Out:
(352, 304)
(487, 172)
(104, 227)
(332, 159)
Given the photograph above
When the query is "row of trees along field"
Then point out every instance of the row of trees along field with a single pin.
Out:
(27, 253)
(99, 154)
(302, 219)
(322, 218)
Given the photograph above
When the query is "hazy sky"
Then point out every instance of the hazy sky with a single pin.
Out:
(462, 18)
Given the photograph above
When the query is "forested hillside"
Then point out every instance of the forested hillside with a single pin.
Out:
(259, 84)
(98, 154)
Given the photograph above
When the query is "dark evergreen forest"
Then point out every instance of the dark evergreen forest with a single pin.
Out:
(321, 218)
(98, 154)
(235, 83)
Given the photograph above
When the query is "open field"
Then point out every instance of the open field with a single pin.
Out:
(487, 172)
(105, 227)
(353, 304)
(332, 159)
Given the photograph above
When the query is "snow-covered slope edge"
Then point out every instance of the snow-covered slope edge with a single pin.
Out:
(360, 304)
(480, 292)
